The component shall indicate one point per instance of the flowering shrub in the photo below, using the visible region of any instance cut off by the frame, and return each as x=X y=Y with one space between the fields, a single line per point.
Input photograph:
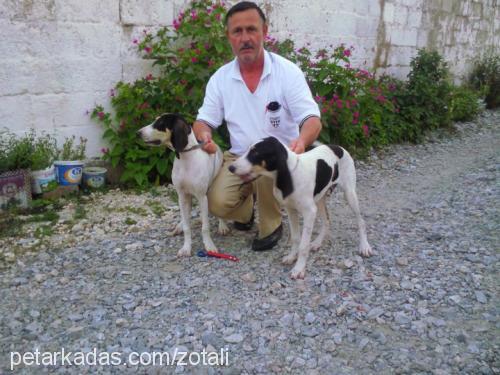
x=187 y=52
x=357 y=109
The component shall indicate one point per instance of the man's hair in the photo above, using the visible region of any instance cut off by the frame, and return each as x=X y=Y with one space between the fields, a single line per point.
x=242 y=6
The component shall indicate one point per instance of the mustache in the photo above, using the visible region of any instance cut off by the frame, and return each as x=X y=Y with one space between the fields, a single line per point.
x=246 y=46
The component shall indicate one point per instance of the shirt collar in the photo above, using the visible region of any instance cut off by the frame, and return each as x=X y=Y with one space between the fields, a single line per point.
x=268 y=62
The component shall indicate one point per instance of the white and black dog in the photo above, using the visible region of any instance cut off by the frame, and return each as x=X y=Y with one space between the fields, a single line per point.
x=301 y=183
x=192 y=174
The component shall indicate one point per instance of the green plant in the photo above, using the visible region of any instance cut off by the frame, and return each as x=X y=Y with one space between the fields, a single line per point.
x=44 y=152
x=186 y=54
x=464 y=104
x=485 y=77
x=71 y=151
x=425 y=101
x=30 y=151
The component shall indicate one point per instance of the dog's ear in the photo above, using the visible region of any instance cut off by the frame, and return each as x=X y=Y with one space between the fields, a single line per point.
x=284 y=178
x=180 y=132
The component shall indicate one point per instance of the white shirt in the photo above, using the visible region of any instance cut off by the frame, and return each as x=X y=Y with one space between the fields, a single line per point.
x=248 y=115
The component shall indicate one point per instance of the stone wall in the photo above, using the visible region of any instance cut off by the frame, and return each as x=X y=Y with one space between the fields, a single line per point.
x=58 y=58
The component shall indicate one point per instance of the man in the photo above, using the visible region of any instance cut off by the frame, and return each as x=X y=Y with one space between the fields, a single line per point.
x=258 y=94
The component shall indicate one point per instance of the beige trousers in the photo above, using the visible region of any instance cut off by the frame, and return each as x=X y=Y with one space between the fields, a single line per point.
x=229 y=199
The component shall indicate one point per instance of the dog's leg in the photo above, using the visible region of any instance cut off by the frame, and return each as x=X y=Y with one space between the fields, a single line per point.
x=223 y=228
x=205 y=224
x=325 y=224
x=352 y=199
x=177 y=229
x=299 y=270
x=293 y=218
x=185 y=201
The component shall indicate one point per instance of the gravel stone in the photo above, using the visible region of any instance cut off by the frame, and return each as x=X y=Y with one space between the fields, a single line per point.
x=427 y=302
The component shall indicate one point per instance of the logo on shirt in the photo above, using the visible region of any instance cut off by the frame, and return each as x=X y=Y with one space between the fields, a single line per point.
x=274 y=118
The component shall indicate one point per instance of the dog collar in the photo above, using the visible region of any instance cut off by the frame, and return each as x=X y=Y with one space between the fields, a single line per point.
x=195 y=147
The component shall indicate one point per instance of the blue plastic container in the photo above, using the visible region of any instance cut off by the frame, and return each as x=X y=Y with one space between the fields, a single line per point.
x=94 y=177
x=68 y=172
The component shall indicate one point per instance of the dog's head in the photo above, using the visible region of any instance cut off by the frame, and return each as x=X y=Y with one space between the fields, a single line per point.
x=168 y=129
x=266 y=157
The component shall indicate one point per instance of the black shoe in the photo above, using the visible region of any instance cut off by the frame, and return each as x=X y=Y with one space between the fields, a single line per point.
x=267 y=243
x=245 y=227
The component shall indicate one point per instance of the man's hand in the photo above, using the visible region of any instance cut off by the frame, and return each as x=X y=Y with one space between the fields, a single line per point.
x=309 y=133
x=203 y=133
x=298 y=146
x=209 y=145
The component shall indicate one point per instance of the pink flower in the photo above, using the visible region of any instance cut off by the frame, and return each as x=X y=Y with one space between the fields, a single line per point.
x=135 y=41
x=347 y=52
x=355 y=114
x=100 y=115
x=149 y=77
x=148 y=49
x=381 y=98
x=355 y=121
x=104 y=150
x=366 y=131
x=194 y=59
x=194 y=16
x=210 y=63
x=218 y=16
x=339 y=104
x=176 y=24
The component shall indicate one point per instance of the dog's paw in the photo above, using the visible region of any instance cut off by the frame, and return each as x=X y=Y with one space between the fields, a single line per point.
x=289 y=259
x=184 y=252
x=298 y=273
x=315 y=245
x=177 y=230
x=365 y=250
x=223 y=228
x=210 y=246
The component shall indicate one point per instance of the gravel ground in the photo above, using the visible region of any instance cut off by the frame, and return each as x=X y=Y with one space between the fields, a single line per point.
x=427 y=303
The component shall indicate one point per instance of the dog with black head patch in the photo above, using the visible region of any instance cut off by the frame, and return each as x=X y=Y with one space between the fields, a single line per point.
x=192 y=173
x=301 y=184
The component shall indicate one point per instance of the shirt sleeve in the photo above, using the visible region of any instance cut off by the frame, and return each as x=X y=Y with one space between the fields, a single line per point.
x=299 y=97
x=212 y=109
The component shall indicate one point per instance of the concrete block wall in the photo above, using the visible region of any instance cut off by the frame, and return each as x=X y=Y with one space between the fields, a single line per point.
x=58 y=58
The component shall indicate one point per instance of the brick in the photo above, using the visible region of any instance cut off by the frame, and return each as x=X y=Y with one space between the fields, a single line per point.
x=153 y=12
x=92 y=11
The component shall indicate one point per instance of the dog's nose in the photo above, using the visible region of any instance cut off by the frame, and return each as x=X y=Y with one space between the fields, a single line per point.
x=138 y=133
x=232 y=169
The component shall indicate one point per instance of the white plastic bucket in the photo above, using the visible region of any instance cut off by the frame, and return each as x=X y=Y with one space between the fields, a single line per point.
x=43 y=180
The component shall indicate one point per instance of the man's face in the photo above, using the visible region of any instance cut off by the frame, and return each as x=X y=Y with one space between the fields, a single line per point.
x=246 y=32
